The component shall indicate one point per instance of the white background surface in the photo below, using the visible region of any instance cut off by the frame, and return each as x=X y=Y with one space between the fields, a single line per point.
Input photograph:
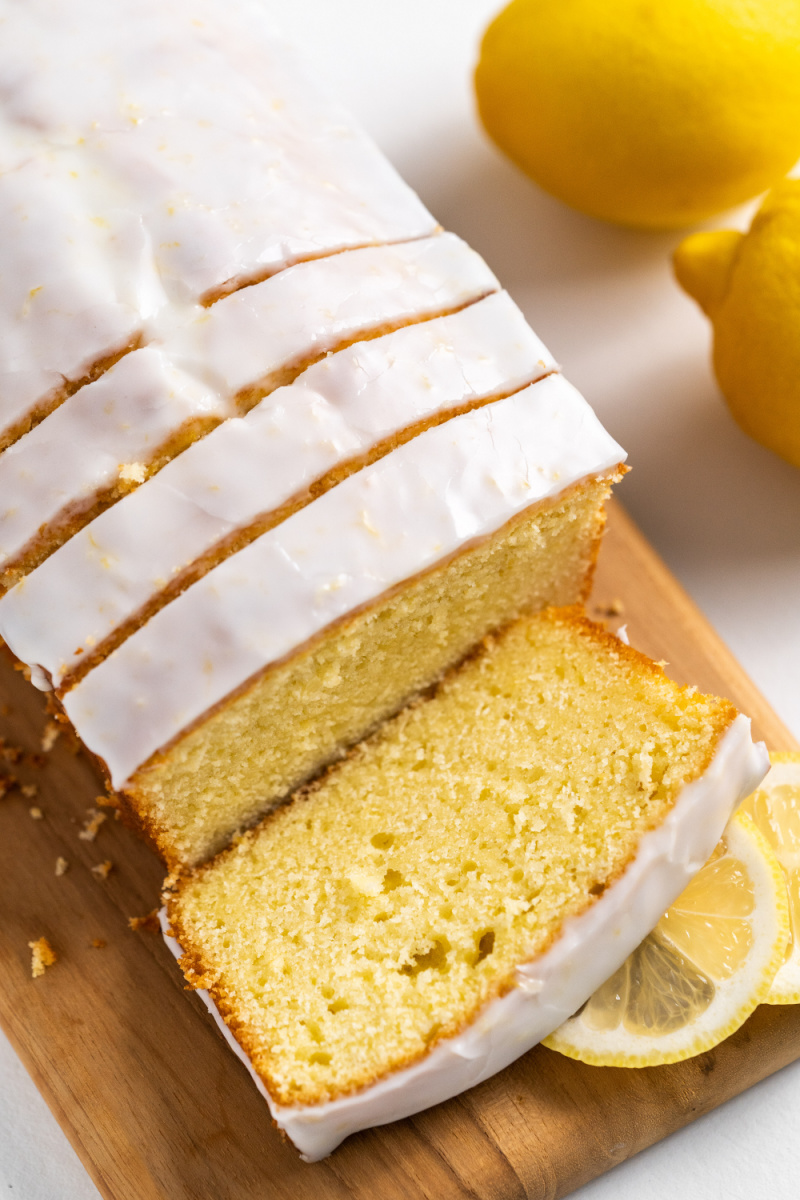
x=724 y=513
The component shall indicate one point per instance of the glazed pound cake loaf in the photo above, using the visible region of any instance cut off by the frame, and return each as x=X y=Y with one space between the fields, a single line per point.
x=279 y=452
x=463 y=881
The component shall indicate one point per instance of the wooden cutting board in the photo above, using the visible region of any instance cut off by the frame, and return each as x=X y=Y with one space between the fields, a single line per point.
x=157 y=1106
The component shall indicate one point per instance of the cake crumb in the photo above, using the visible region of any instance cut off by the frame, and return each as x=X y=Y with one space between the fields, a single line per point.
x=62 y=866
x=107 y=801
x=9 y=754
x=615 y=608
x=36 y=812
x=52 y=731
x=29 y=790
x=662 y=662
x=99 y=943
x=149 y=923
x=7 y=784
x=103 y=870
x=43 y=956
x=24 y=669
x=91 y=825
x=133 y=472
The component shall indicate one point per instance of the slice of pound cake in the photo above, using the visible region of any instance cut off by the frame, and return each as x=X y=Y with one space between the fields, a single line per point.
x=455 y=888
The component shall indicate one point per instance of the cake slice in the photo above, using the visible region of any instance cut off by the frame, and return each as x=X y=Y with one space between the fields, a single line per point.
x=288 y=651
x=463 y=881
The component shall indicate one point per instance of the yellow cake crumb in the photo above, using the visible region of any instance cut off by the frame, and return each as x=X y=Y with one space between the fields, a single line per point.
x=134 y=472
x=43 y=956
x=7 y=784
x=103 y=870
x=304 y=711
x=149 y=923
x=52 y=732
x=384 y=907
x=62 y=866
x=91 y=825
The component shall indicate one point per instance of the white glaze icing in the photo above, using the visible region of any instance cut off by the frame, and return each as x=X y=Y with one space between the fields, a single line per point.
x=119 y=420
x=448 y=487
x=313 y=307
x=337 y=409
x=231 y=154
x=548 y=989
x=129 y=412
x=78 y=278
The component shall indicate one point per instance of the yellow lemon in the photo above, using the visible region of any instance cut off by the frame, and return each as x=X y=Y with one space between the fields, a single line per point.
x=696 y=978
x=775 y=809
x=749 y=285
x=652 y=113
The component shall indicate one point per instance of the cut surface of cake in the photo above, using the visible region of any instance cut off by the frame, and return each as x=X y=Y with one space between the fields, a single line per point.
x=294 y=647
x=456 y=887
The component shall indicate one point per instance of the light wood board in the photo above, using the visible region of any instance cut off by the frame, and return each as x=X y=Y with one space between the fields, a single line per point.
x=158 y=1107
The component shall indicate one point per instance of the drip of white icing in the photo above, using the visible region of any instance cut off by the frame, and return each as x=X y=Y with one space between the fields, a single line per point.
x=551 y=988
x=118 y=422
x=248 y=466
x=448 y=487
x=145 y=398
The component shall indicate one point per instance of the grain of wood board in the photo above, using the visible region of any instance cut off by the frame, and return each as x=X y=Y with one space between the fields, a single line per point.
x=158 y=1107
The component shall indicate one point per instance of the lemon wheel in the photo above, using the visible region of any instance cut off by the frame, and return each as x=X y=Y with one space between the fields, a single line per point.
x=775 y=808
x=697 y=977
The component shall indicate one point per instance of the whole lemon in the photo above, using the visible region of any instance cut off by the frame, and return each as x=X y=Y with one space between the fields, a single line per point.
x=651 y=113
x=749 y=285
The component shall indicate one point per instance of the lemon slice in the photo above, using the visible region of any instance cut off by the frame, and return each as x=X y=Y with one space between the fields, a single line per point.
x=775 y=808
x=697 y=977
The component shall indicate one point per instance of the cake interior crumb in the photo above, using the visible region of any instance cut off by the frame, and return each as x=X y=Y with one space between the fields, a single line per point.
x=43 y=955
x=382 y=909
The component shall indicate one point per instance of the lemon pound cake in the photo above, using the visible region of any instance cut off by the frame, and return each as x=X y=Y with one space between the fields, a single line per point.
x=277 y=451
x=461 y=883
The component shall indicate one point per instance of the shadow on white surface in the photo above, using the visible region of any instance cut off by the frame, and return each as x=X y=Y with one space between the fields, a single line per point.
x=36 y=1161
